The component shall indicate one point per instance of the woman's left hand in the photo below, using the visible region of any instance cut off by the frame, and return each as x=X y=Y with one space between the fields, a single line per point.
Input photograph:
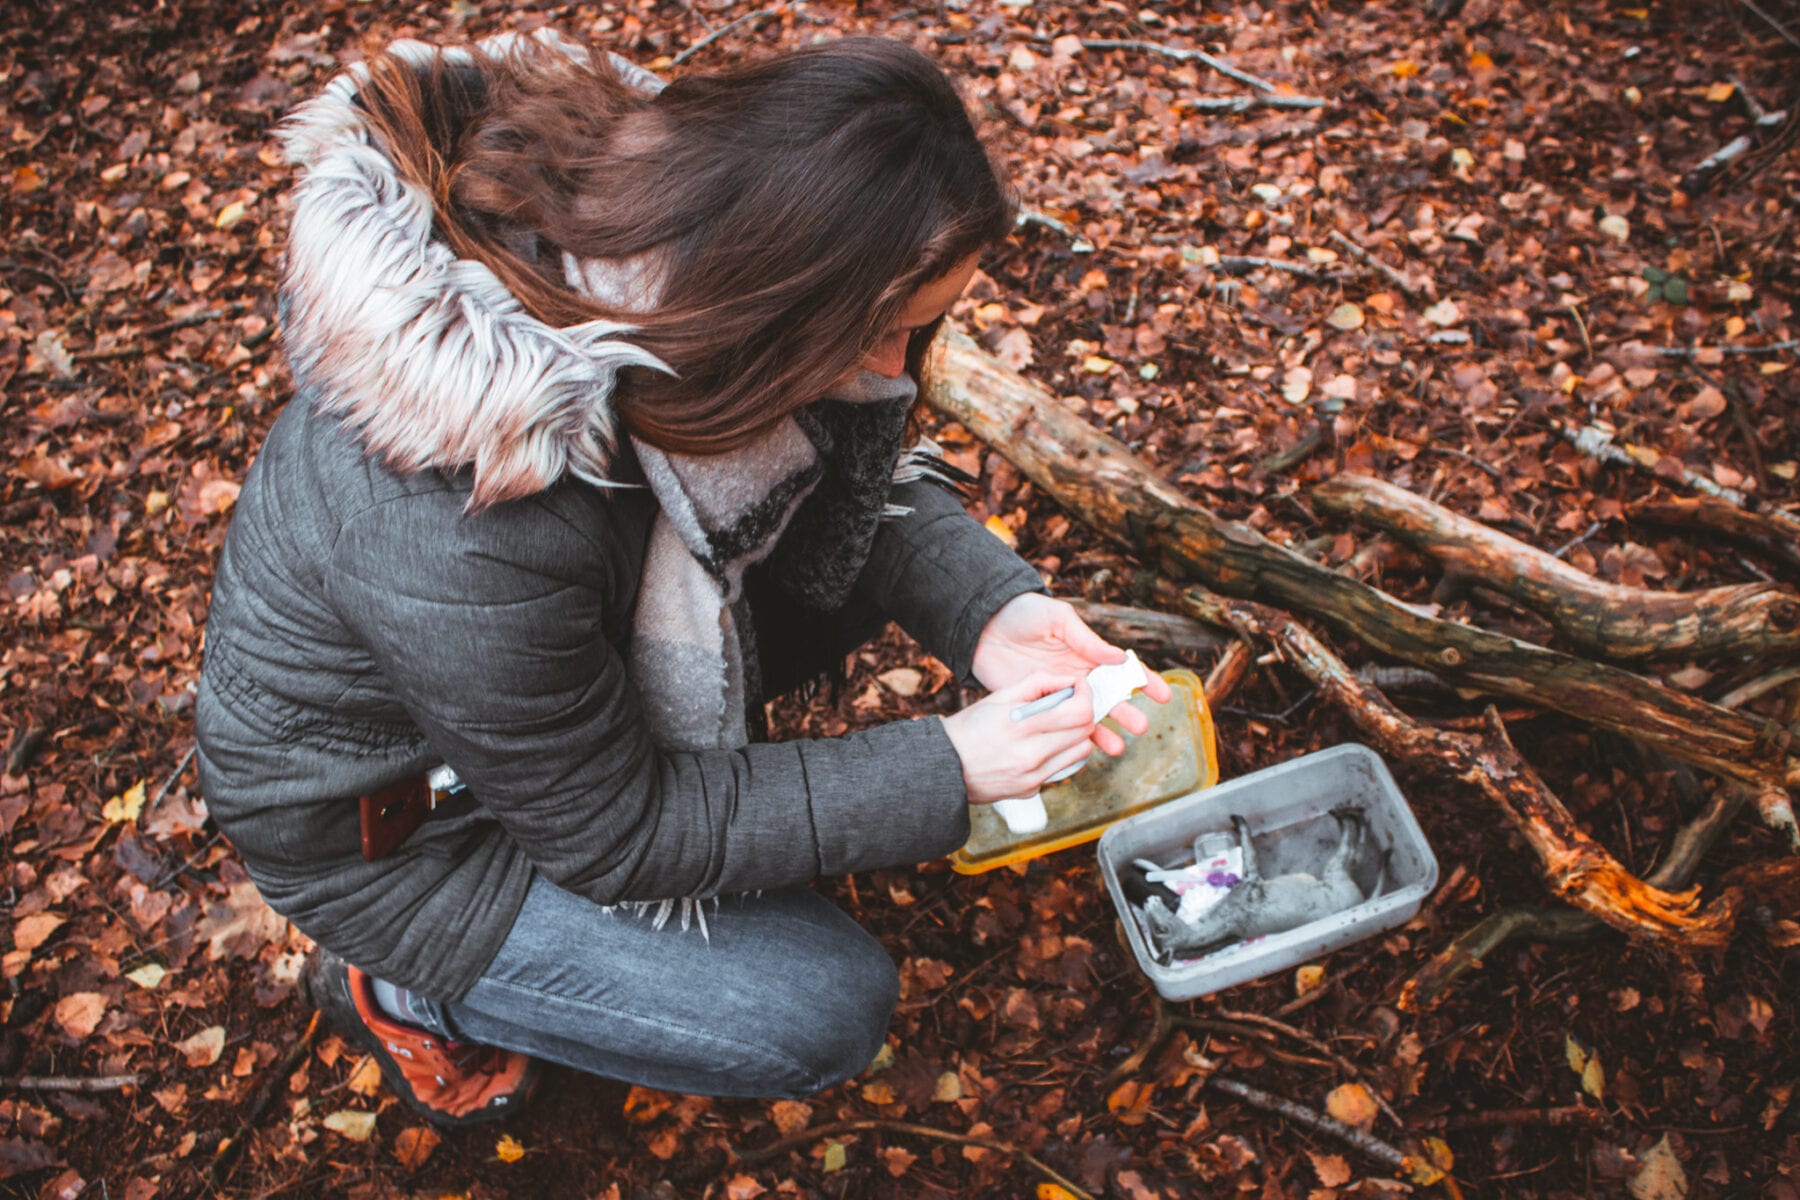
x=1034 y=633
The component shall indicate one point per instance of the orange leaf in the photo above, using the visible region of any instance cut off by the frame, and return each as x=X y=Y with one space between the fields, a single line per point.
x=1130 y=1101
x=414 y=1146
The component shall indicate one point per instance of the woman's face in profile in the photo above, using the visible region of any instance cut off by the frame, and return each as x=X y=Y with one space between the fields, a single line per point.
x=931 y=301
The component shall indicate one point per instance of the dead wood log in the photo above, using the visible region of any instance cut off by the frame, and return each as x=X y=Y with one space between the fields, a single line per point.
x=1614 y=622
x=1097 y=479
x=1473 y=946
x=1577 y=868
x=1152 y=632
x=1774 y=534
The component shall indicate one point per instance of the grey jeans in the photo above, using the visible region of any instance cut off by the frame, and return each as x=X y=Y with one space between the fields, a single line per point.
x=789 y=997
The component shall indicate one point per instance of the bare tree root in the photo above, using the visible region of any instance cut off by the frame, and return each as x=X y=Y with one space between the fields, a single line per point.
x=1472 y=947
x=1577 y=868
x=1614 y=622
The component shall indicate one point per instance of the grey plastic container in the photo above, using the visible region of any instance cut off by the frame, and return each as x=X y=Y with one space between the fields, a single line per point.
x=1288 y=808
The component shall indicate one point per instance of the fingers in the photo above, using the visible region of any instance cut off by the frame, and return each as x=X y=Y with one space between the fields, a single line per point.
x=1131 y=718
x=1108 y=742
x=1157 y=688
x=1067 y=758
x=1084 y=641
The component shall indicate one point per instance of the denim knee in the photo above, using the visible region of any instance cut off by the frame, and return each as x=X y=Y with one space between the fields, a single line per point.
x=835 y=1031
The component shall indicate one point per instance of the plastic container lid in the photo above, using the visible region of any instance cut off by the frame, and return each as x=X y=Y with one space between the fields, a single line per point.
x=1176 y=756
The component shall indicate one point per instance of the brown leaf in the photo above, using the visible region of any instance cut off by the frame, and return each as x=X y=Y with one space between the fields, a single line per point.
x=204 y=1048
x=790 y=1116
x=1353 y=1104
x=32 y=931
x=78 y=1013
x=1333 y=1170
x=413 y=1146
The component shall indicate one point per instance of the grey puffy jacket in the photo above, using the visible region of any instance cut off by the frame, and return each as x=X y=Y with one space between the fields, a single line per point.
x=363 y=627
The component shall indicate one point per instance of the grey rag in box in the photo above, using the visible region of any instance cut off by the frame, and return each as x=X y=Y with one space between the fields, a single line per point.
x=1294 y=814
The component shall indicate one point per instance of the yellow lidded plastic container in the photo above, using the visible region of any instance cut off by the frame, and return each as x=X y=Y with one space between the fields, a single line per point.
x=1177 y=755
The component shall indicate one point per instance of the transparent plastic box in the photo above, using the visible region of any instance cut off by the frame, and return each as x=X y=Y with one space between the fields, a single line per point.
x=1288 y=808
x=1176 y=755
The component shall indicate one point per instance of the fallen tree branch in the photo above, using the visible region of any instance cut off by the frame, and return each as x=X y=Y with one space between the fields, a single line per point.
x=1775 y=534
x=1098 y=480
x=1740 y=696
x=1229 y=671
x=1243 y=264
x=1576 y=868
x=1598 y=444
x=1615 y=622
x=869 y=1125
x=1777 y=26
x=1150 y=631
x=68 y=1083
x=1031 y=216
x=1701 y=177
x=134 y=347
x=1472 y=947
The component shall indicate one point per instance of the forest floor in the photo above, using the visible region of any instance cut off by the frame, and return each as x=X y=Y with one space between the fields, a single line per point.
x=1515 y=165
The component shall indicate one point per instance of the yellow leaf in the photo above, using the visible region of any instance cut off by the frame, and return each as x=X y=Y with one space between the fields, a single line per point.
x=27 y=179
x=415 y=1145
x=1406 y=68
x=125 y=807
x=879 y=1092
x=365 y=1080
x=1353 y=1104
x=949 y=1087
x=230 y=215
x=1593 y=1079
x=1054 y=1191
x=1002 y=530
x=1345 y=316
x=1574 y=1052
x=835 y=1157
x=155 y=502
x=1308 y=979
x=357 y=1126
x=509 y=1149
x=1479 y=61
x=1636 y=14
x=1720 y=92
x=1094 y=364
x=1773 y=368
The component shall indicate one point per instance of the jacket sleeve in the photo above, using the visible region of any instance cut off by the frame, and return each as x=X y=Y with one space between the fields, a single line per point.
x=941 y=575
x=490 y=631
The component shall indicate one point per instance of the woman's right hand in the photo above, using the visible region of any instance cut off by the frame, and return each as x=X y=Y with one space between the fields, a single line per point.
x=1004 y=759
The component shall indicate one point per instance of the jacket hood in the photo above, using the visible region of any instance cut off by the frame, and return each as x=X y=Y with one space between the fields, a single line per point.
x=429 y=356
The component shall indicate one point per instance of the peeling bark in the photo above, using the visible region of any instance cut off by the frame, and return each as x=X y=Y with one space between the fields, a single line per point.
x=1614 y=622
x=1097 y=479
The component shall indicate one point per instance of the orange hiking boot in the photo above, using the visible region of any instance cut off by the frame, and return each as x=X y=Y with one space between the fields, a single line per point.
x=450 y=1083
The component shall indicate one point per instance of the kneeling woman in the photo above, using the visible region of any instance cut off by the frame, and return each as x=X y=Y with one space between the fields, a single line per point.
x=597 y=440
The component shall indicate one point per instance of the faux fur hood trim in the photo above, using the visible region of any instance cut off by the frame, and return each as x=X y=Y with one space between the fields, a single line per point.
x=429 y=356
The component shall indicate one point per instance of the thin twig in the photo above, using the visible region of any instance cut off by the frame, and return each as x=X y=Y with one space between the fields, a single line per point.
x=819 y=1132
x=1586 y=342
x=1238 y=104
x=1369 y=257
x=1308 y=1040
x=1598 y=444
x=173 y=776
x=1181 y=54
x=1578 y=1115
x=1371 y=1146
x=68 y=1083
x=1738 y=697
x=1777 y=26
x=1696 y=351
x=721 y=31
x=1575 y=541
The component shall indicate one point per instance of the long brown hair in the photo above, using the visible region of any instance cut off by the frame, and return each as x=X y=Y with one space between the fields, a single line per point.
x=792 y=207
